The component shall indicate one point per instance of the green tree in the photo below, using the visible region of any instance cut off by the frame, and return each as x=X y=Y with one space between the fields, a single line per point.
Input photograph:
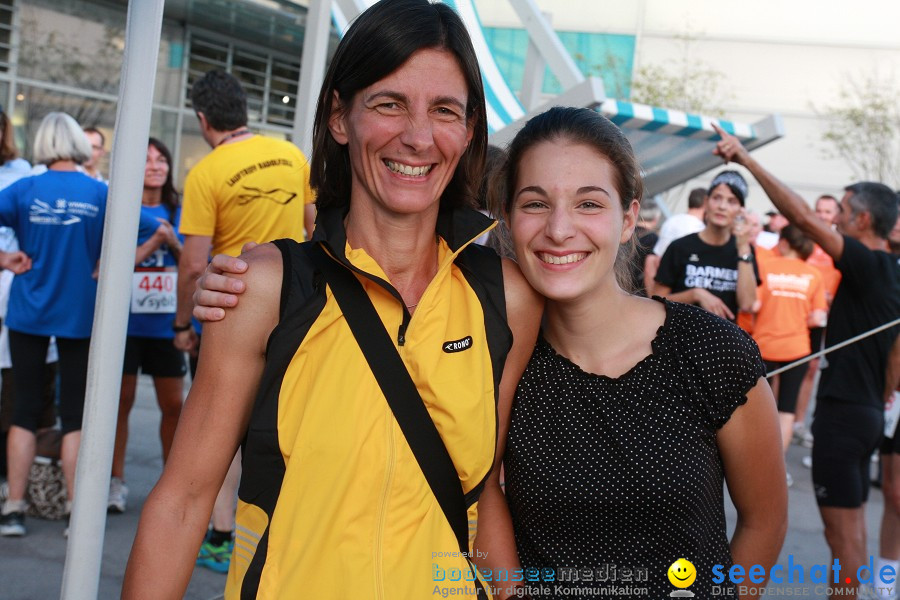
x=612 y=70
x=863 y=127
x=68 y=59
x=684 y=82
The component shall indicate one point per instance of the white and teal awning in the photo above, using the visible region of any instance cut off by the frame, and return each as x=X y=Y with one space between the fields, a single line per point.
x=673 y=146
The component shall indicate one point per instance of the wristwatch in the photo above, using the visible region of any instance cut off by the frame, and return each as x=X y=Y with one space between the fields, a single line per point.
x=179 y=328
x=747 y=258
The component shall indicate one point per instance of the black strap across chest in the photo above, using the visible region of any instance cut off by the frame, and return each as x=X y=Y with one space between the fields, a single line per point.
x=400 y=391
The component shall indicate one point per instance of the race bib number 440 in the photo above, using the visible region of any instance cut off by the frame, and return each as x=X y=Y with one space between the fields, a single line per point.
x=153 y=292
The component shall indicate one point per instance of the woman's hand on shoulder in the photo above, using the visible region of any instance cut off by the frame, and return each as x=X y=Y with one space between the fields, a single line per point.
x=260 y=284
x=219 y=287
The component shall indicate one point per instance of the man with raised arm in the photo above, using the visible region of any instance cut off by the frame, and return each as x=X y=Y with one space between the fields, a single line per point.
x=849 y=416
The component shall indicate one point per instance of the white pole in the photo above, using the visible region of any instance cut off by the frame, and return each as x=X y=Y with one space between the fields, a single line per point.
x=312 y=71
x=533 y=79
x=548 y=43
x=81 y=577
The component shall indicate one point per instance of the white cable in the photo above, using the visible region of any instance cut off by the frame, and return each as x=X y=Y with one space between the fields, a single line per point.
x=852 y=340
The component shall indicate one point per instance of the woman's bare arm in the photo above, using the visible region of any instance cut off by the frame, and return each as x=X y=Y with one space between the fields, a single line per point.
x=495 y=541
x=212 y=423
x=750 y=445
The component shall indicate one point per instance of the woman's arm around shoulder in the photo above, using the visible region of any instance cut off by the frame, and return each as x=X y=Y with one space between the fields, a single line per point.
x=495 y=540
x=214 y=419
x=219 y=287
x=751 y=450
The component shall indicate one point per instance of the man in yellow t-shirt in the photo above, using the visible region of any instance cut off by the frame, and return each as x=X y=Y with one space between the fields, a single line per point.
x=248 y=189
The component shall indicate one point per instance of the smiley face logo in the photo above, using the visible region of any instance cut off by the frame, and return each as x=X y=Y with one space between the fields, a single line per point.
x=682 y=573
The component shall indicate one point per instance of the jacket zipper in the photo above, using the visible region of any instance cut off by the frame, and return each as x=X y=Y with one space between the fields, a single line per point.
x=404 y=324
x=382 y=510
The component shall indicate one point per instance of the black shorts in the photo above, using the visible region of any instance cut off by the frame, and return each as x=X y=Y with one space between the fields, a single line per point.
x=815 y=338
x=845 y=436
x=789 y=383
x=29 y=358
x=153 y=356
x=891 y=445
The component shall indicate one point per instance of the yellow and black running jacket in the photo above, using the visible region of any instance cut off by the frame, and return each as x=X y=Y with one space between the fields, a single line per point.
x=332 y=503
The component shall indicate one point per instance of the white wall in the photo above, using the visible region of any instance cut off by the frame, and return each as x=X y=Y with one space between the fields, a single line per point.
x=778 y=57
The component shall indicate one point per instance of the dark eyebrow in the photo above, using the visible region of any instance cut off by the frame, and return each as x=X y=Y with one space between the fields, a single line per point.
x=582 y=190
x=387 y=94
x=403 y=98
x=532 y=188
x=451 y=100
x=591 y=188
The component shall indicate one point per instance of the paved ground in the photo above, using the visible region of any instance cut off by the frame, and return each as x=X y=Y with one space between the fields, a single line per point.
x=31 y=568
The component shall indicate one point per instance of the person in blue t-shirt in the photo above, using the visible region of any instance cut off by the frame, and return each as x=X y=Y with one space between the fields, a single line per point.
x=13 y=168
x=58 y=219
x=149 y=344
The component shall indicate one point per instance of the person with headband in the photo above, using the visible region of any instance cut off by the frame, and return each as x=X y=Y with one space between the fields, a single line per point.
x=715 y=268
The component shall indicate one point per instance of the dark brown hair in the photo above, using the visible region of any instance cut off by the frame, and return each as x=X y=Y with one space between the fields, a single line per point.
x=696 y=198
x=170 y=198
x=378 y=43
x=221 y=99
x=797 y=240
x=8 y=150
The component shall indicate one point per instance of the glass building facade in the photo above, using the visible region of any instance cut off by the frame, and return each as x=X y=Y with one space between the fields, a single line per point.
x=67 y=55
x=608 y=56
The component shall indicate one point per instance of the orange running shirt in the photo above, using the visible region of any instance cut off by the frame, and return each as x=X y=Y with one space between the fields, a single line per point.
x=790 y=291
x=830 y=275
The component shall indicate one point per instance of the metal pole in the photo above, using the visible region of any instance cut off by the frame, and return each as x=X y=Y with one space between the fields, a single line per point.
x=312 y=71
x=533 y=80
x=545 y=39
x=81 y=577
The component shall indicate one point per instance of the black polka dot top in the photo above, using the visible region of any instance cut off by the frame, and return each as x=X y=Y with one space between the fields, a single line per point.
x=625 y=472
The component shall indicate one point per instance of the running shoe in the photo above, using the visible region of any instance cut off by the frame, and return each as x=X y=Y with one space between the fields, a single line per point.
x=790 y=480
x=802 y=437
x=12 y=524
x=118 y=495
x=216 y=558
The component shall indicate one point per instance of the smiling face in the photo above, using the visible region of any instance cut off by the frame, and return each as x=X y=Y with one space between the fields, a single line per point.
x=682 y=573
x=156 y=169
x=828 y=209
x=406 y=133
x=567 y=221
x=722 y=207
